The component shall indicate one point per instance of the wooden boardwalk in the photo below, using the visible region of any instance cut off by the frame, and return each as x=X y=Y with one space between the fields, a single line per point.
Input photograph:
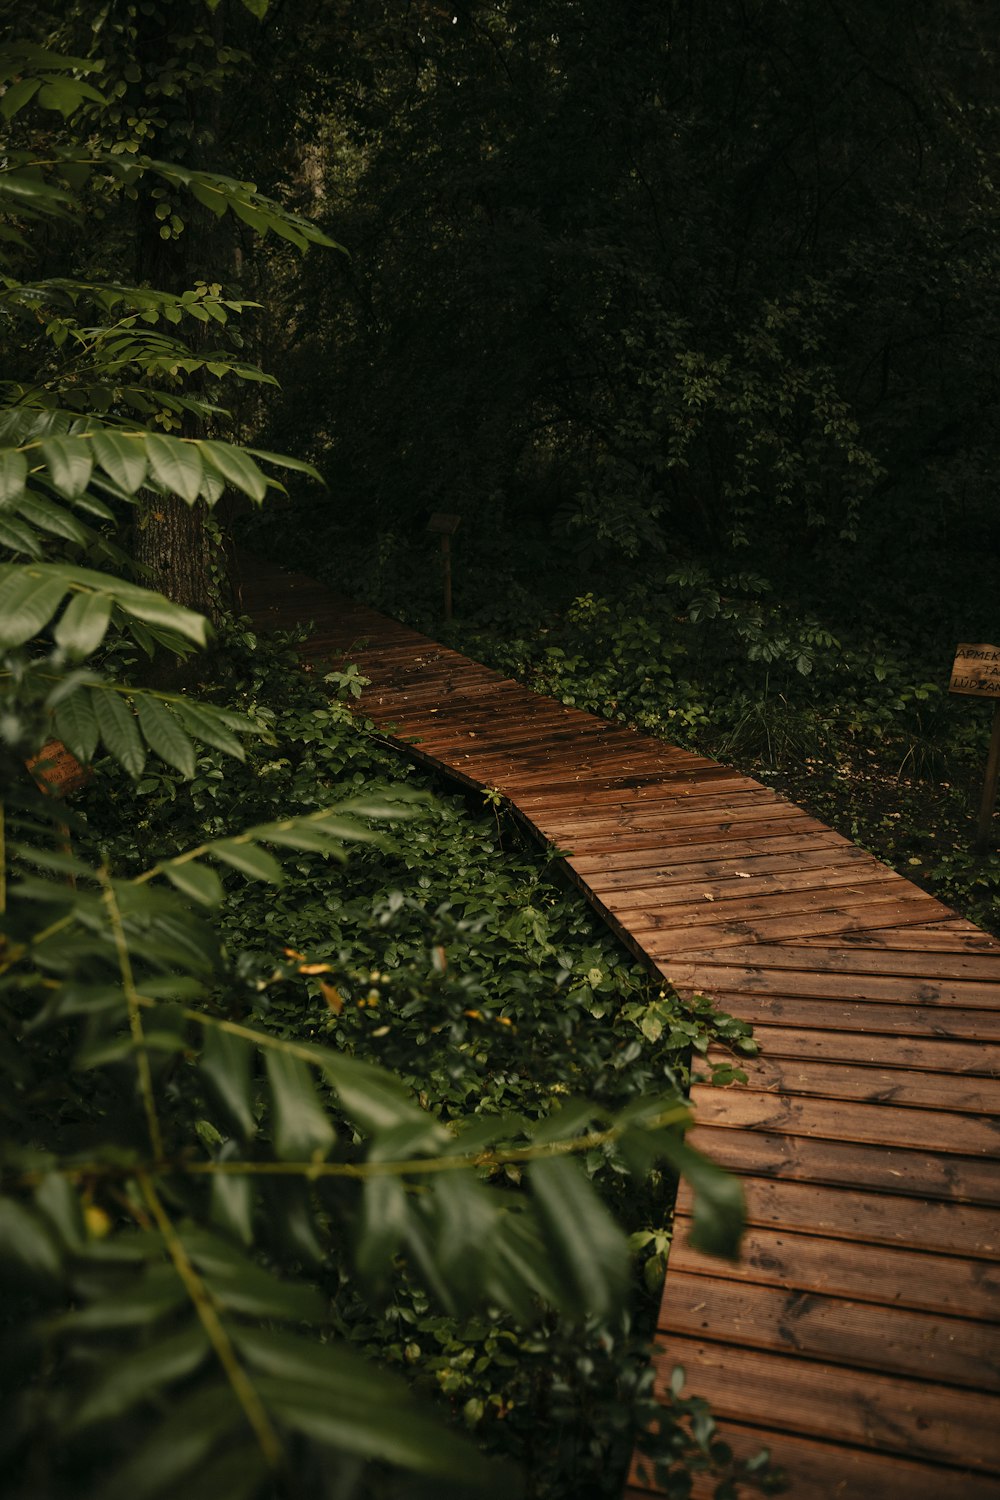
x=858 y=1336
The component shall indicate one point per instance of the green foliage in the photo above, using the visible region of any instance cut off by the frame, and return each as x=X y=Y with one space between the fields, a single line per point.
x=194 y=1192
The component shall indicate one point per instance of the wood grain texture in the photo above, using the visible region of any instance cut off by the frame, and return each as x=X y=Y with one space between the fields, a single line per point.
x=858 y=1337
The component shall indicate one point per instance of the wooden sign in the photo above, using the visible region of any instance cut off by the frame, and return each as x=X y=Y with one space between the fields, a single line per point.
x=976 y=671
x=57 y=771
x=443 y=523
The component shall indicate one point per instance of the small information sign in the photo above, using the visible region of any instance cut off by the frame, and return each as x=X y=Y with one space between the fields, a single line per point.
x=58 y=772
x=976 y=671
x=443 y=523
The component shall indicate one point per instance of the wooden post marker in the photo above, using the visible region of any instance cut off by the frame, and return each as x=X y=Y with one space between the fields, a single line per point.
x=977 y=674
x=444 y=525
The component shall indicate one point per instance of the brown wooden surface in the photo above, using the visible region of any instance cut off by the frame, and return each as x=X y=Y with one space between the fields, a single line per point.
x=858 y=1337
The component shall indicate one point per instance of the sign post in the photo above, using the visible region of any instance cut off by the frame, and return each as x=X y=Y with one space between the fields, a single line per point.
x=976 y=673
x=445 y=525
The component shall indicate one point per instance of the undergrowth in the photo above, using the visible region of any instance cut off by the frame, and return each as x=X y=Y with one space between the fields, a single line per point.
x=459 y=956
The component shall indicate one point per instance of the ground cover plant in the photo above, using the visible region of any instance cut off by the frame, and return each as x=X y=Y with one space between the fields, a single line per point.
x=222 y=1166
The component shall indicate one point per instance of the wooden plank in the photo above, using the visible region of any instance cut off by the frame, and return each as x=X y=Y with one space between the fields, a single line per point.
x=891 y=989
x=816 y=956
x=689 y=827
x=940 y=936
x=896 y=1086
x=668 y=941
x=885 y=1413
x=867 y=1122
x=877 y=1274
x=968 y=1059
x=819 y=1470
x=858 y=890
x=830 y=1163
x=949 y=1023
x=742 y=888
x=899 y=1341
x=616 y=864
x=587 y=827
x=730 y=871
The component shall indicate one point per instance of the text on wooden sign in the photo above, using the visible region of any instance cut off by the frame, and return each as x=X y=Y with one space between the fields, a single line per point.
x=976 y=671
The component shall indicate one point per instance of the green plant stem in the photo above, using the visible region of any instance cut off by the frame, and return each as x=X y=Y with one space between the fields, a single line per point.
x=678 y=1114
x=134 y=1012
x=267 y=1439
x=3 y=858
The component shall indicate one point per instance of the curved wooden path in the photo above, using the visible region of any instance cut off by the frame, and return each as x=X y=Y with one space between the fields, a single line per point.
x=858 y=1335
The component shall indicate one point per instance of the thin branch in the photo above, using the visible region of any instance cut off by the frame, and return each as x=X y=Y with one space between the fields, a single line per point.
x=134 y=1011
x=677 y=1114
x=267 y=1439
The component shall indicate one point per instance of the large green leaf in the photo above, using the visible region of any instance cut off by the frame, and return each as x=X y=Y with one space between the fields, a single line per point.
x=249 y=859
x=226 y=1061
x=123 y=458
x=164 y=735
x=136 y=1377
x=375 y=1099
x=180 y=1447
x=176 y=465
x=243 y=1287
x=83 y=624
x=385 y=1218
x=236 y=468
x=76 y=724
x=29 y=597
x=135 y=1302
x=586 y=1243
x=48 y=516
x=27 y=1245
x=70 y=462
x=207 y=725
x=118 y=731
x=195 y=881
x=719 y=1209
x=398 y=1435
x=13 y=474
x=300 y=1125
